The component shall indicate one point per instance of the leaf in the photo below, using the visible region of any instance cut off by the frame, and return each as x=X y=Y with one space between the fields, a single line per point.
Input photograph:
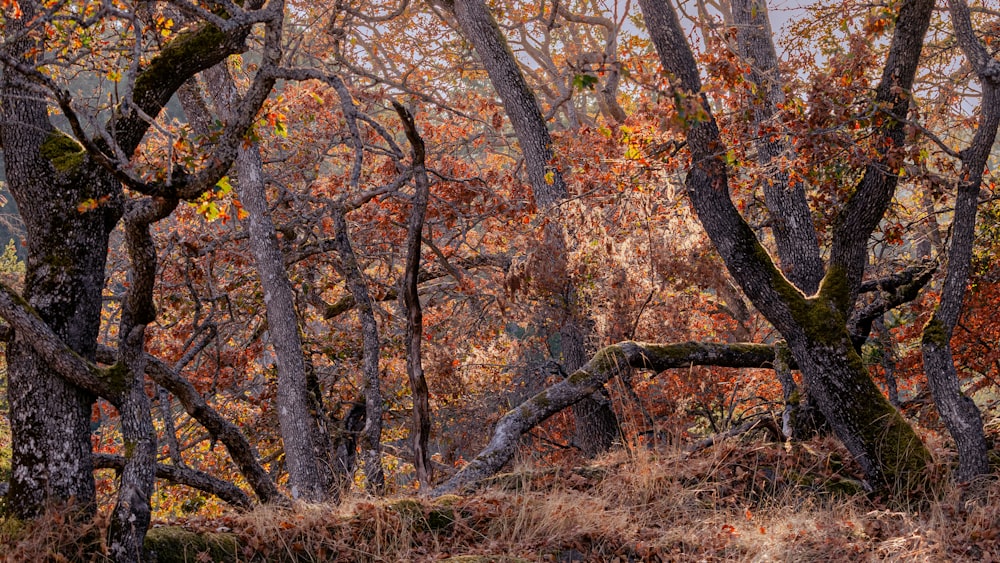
x=584 y=81
x=224 y=186
x=550 y=177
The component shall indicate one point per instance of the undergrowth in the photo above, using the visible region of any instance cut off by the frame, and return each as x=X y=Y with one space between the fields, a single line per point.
x=735 y=502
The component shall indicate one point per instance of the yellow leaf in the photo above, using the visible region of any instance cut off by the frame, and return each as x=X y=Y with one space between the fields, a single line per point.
x=550 y=177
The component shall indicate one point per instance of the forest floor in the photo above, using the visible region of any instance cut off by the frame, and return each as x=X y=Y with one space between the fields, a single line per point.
x=736 y=501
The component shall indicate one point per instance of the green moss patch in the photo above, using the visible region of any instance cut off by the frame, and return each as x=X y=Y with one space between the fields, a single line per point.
x=173 y=544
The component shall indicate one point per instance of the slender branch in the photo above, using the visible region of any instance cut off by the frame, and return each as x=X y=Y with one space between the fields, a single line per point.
x=185 y=476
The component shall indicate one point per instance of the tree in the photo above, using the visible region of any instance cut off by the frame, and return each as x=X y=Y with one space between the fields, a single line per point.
x=959 y=412
x=597 y=426
x=53 y=381
x=817 y=327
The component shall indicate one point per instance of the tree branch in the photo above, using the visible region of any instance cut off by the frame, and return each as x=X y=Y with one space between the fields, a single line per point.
x=607 y=363
x=185 y=476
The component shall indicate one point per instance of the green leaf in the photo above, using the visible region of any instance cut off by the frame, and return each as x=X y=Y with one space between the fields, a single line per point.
x=224 y=186
x=584 y=81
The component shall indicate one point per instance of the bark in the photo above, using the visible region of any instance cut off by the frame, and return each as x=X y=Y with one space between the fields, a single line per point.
x=791 y=219
x=815 y=327
x=519 y=101
x=242 y=452
x=959 y=412
x=303 y=430
x=596 y=424
x=892 y=291
x=50 y=175
x=169 y=428
x=411 y=299
x=66 y=251
x=371 y=435
x=789 y=390
x=305 y=440
x=607 y=363
x=193 y=478
x=353 y=423
x=131 y=514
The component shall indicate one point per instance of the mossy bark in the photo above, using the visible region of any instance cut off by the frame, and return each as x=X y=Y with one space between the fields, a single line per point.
x=814 y=327
x=605 y=364
x=66 y=250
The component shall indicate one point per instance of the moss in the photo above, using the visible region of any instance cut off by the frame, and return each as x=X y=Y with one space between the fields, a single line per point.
x=407 y=507
x=667 y=352
x=423 y=518
x=173 y=544
x=994 y=457
x=605 y=361
x=115 y=377
x=440 y=519
x=11 y=529
x=784 y=353
x=891 y=443
x=448 y=501
x=65 y=154
x=185 y=46
x=835 y=289
x=935 y=333
x=130 y=446
x=844 y=487
x=795 y=398
x=541 y=400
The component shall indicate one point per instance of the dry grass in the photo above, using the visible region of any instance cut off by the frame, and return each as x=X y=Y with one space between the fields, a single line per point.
x=735 y=502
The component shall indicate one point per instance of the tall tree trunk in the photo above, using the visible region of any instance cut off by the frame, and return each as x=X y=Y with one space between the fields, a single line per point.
x=49 y=175
x=70 y=203
x=411 y=299
x=959 y=412
x=132 y=511
x=815 y=327
x=371 y=435
x=304 y=435
x=596 y=424
x=792 y=225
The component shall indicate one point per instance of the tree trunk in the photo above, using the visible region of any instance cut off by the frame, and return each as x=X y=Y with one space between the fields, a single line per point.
x=371 y=435
x=959 y=412
x=794 y=233
x=70 y=203
x=596 y=424
x=607 y=363
x=49 y=175
x=304 y=435
x=131 y=515
x=411 y=299
x=815 y=327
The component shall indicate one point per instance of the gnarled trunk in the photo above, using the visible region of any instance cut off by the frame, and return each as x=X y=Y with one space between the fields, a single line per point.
x=49 y=176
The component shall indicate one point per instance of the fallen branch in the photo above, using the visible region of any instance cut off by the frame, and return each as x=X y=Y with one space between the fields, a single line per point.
x=605 y=364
